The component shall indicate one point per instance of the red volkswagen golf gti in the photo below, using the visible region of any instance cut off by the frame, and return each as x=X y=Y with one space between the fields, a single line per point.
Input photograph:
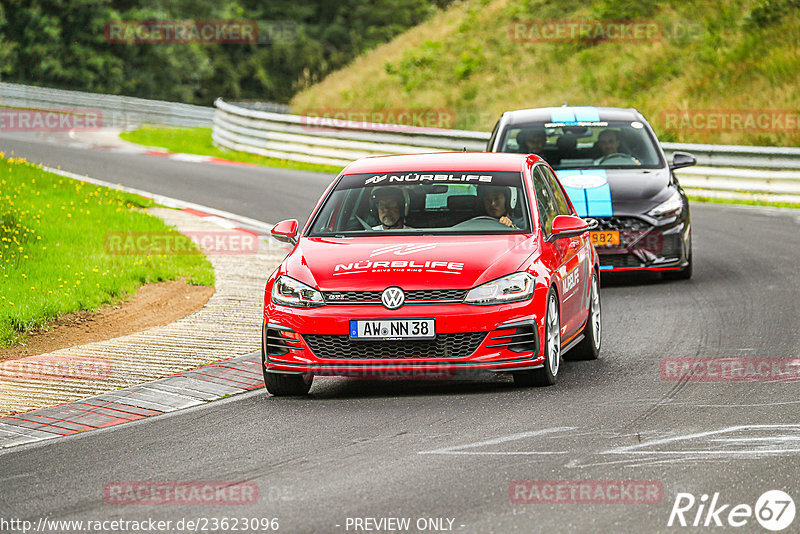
x=433 y=263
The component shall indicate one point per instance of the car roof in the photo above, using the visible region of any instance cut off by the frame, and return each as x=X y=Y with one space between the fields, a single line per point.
x=572 y=113
x=443 y=161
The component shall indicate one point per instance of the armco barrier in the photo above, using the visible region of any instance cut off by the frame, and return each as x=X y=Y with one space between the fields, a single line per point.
x=117 y=111
x=317 y=140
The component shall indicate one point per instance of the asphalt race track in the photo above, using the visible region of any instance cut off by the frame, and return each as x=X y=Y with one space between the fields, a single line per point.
x=451 y=450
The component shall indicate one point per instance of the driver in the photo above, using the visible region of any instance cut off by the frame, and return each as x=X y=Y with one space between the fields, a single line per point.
x=608 y=142
x=390 y=203
x=497 y=204
x=610 y=145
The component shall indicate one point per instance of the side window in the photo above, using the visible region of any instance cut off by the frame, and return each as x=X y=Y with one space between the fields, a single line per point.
x=544 y=201
x=561 y=202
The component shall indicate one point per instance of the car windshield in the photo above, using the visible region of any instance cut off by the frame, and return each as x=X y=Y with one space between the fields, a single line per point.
x=450 y=202
x=617 y=144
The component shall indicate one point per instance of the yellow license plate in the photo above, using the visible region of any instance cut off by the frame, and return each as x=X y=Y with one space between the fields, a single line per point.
x=606 y=237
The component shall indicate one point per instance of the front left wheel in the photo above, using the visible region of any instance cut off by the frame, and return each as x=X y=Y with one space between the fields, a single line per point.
x=589 y=347
x=548 y=373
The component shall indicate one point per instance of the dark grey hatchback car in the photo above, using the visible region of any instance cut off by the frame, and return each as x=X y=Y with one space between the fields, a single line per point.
x=615 y=172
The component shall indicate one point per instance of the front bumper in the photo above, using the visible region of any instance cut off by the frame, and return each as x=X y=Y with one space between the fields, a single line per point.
x=644 y=246
x=469 y=338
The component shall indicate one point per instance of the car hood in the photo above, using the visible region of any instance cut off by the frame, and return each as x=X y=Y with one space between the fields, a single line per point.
x=597 y=192
x=375 y=263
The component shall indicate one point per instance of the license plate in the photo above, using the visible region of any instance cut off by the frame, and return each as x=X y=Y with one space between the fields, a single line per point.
x=605 y=237
x=372 y=329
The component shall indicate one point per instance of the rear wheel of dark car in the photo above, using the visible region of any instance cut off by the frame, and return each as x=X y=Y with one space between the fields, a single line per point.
x=547 y=374
x=589 y=347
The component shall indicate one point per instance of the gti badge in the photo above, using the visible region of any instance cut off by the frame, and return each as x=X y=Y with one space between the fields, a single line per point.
x=393 y=297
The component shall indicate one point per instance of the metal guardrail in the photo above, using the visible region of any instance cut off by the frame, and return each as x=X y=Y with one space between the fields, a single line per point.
x=327 y=141
x=722 y=182
x=752 y=157
x=116 y=111
x=338 y=142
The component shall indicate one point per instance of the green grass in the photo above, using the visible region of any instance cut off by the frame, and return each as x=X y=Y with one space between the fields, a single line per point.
x=53 y=257
x=198 y=141
x=744 y=202
x=733 y=55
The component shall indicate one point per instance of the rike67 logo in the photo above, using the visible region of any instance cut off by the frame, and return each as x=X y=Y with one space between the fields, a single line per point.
x=774 y=510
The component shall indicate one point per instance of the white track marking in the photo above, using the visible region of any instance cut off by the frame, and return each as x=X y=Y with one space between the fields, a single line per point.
x=459 y=449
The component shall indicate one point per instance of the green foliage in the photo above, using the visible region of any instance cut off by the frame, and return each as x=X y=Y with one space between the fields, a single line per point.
x=53 y=255
x=769 y=12
x=469 y=61
x=624 y=9
x=61 y=43
x=483 y=59
x=417 y=66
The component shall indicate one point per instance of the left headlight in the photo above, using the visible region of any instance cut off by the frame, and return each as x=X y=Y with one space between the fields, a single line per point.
x=290 y=292
x=673 y=206
x=511 y=288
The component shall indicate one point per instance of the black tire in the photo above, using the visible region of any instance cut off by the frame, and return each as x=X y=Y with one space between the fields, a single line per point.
x=281 y=384
x=589 y=347
x=547 y=375
x=285 y=385
x=683 y=274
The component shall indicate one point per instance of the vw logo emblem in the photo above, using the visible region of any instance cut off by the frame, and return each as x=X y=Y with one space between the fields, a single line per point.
x=393 y=297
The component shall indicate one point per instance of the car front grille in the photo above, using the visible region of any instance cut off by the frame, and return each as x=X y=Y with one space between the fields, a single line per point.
x=632 y=231
x=412 y=296
x=444 y=346
x=633 y=224
x=620 y=260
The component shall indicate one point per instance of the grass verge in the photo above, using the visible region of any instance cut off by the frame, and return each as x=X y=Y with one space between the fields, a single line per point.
x=744 y=202
x=53 y=257
x=198 y=141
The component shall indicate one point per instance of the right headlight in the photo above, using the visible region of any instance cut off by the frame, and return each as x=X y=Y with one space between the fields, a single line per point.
x=512 y=288
x=290 y=292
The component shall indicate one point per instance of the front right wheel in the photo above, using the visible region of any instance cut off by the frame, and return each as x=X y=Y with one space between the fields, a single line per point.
x=286 y=385
x=547 y=374
x=282 y=384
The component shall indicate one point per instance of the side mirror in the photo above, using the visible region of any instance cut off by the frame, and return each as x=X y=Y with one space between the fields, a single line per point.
x=682 y=159
x=286 y=231
x=567 y=226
